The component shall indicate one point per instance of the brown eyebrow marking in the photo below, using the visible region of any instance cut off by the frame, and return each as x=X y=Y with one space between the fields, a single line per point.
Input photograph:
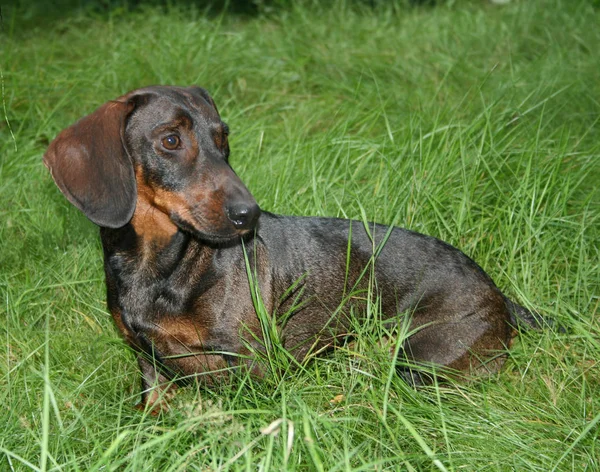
x=183 y=120
x=219 y=135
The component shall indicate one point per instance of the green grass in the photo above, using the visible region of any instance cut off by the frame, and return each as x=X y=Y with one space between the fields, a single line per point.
x=472 y=122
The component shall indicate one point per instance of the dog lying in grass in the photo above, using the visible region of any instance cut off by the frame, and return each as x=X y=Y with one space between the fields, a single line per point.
x=187 y=250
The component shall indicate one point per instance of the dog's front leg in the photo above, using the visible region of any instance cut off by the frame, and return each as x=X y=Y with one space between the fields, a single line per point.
x=156 y=387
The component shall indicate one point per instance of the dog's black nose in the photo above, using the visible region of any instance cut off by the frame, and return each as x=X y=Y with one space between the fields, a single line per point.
x=243 y=215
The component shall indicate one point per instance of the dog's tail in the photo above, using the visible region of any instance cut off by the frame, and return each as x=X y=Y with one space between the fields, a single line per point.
x=523 y=318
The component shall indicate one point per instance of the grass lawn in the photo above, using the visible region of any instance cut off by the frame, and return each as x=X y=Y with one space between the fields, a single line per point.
x=473 y=122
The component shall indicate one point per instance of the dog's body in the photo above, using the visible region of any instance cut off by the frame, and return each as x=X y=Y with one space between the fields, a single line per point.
x=181 y=234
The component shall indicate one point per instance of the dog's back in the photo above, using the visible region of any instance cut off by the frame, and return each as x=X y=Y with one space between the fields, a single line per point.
x=452 y=304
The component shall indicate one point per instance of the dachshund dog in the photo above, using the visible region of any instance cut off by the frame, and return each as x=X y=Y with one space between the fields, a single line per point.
x=185 y=244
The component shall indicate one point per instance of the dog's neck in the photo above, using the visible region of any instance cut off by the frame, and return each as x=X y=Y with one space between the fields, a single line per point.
x=149 y=260
x=150 y=242
x=153 y=226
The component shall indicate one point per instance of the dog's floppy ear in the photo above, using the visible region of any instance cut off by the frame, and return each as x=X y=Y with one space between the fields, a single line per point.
x=199 y=91
x=90 y=165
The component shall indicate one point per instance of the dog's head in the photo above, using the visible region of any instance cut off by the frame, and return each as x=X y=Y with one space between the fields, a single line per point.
x=167 y=143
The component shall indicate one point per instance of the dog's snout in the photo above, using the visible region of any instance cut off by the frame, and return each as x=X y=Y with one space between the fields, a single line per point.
x=243 y=215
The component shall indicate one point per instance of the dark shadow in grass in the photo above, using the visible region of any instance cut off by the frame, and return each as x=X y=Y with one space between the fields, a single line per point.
x=21 y=15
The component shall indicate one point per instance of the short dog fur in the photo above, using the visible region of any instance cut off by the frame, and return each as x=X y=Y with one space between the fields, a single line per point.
x=151 y=169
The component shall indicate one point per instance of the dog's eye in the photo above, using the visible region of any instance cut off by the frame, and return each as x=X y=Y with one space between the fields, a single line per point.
x=171 y=142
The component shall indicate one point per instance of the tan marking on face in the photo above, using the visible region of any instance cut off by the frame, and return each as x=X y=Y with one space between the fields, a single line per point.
x=148 y=221
x=202 y=209
x=209 y=215
x=220 y=138
x=170 y=202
